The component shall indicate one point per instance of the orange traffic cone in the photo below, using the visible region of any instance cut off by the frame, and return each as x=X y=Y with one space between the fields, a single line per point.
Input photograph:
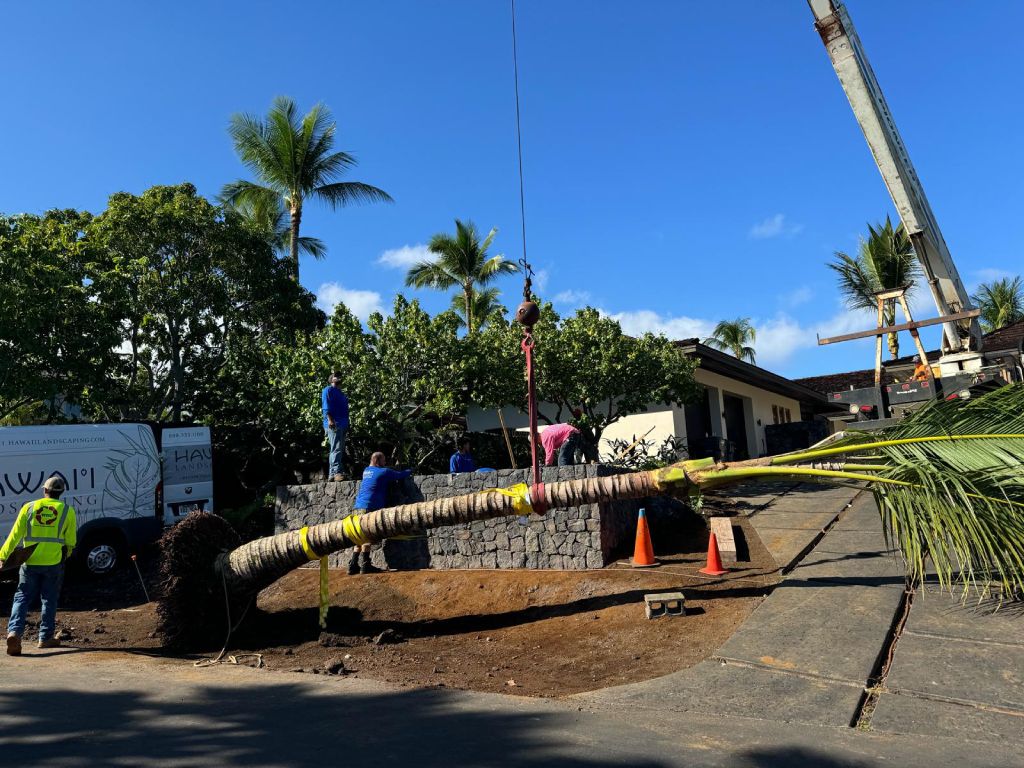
x=714 y=566
x=643 y=552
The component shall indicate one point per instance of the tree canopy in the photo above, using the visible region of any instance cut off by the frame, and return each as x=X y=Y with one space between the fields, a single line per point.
x=1001 y=303
x=885 y=260
x=293 y=159
x=734 y=337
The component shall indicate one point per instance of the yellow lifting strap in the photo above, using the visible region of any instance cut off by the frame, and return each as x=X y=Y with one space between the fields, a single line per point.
x=304 y=540
x=353 y=531
x=520 y=495
x=324 y=583
x=323 y=593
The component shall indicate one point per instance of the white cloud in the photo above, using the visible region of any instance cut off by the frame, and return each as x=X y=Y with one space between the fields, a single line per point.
x=644 y=320
x=540 y=280
x=362 y=304
x=778 y=339
x=406 y=256
x=572 y=297
x=796 y=297
x=775 y=226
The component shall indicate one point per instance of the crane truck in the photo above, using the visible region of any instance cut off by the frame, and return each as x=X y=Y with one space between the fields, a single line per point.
x=962 y=365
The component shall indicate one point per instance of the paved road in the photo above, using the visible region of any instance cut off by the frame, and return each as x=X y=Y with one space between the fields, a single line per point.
x=73 y=709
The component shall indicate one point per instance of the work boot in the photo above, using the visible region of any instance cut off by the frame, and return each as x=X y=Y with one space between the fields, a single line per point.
x=365 y=566
x=339 y=478
x=13 y=645
x=50 y=642
x=353 y=564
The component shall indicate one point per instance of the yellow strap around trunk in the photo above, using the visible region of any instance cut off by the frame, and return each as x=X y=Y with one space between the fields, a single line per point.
x=353 y=531
x=520 y=495
x=304 y=540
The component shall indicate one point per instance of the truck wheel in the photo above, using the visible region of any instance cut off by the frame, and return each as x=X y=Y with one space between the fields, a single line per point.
x=102 y=554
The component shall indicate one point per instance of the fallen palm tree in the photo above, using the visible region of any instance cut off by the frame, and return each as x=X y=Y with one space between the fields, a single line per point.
x=949 y=483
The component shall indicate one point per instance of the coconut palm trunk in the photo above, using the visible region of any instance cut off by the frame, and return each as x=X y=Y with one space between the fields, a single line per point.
x=948 y=483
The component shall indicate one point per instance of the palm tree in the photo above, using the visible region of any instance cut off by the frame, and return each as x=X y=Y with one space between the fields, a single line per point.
x=734 y=336
x=885 y=260
x=1001 y=303
x=293 y=159
x=947 y=482
x=267 y=216
x=461 y=262
x=485 y=304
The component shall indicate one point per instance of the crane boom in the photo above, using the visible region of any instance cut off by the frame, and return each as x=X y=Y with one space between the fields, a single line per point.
x=961 y=342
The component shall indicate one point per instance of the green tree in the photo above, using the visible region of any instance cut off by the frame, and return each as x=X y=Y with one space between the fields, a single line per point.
x=56 y=340
x=293 y=159
x=885 y=260
x=403 y=376
x=1001 y=303
x=485 y=305
x=735 y=337
x=267 y=217
x=185 y=282
x=585 y=363
x=462 y=262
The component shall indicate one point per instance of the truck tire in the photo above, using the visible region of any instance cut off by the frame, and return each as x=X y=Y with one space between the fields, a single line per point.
x=102 y=553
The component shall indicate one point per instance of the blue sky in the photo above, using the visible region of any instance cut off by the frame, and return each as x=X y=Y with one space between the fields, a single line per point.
x=685 y=161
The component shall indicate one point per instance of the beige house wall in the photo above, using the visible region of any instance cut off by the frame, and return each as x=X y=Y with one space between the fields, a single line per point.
x=660 y=422
x=758 y=406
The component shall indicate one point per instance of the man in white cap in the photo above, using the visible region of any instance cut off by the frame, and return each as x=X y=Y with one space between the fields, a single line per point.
x=47 y=530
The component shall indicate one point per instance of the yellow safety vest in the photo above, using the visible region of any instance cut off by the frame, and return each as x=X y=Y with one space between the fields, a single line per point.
x=47 y=524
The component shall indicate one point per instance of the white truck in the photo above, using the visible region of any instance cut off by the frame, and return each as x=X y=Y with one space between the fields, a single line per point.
x=113 y=475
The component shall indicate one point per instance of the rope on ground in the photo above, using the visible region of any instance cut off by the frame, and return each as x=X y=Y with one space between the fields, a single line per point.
x=221 y=659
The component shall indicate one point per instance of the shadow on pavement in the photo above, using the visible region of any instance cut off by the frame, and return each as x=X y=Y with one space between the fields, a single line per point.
x=790 y=757
x=283 y=725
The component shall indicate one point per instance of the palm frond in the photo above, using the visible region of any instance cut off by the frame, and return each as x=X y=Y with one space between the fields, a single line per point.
x=342 y=193
x=949 y=483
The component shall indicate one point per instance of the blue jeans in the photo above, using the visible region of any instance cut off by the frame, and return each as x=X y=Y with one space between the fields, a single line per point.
x=336 y=444
x=42 y=581
x=568 y=450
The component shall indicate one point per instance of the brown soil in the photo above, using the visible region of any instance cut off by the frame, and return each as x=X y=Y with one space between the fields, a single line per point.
x=537 y=633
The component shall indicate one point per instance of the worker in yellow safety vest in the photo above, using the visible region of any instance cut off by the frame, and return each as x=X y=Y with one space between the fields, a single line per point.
x=46 y=529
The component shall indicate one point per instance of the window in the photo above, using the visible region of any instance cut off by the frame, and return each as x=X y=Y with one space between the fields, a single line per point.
x=775 y=414
x=788 y=417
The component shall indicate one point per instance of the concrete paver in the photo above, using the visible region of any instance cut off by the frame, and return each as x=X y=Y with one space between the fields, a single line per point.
x=714 y=688
x=966 y=654
x=789 y=525
x=829 y=630
x=912 y=714
x=942 y=614
x=988 y=673
x=853 y=557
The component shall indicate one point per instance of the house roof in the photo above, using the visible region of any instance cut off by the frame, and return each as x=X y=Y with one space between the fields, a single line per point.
x=1010 y=337
x=838 y=382
x=719 y=362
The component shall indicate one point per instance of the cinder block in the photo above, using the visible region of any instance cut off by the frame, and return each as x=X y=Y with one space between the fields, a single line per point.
x=665 y=604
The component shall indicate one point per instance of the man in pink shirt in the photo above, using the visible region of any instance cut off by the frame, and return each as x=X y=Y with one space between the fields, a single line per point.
x=563 y=439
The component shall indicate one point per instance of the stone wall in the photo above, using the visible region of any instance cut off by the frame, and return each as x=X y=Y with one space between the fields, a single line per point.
x=586 y=537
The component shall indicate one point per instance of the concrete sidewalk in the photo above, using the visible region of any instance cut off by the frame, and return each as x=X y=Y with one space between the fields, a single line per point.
x=76 y=709
x=808 y=651
x=817 y=650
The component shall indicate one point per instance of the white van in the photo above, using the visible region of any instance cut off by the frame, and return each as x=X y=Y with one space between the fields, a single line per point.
x=112 y=472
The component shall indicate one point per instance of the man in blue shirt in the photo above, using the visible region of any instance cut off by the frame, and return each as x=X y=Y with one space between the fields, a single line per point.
x=335 y=410
x=372 y=495
x=462 y=459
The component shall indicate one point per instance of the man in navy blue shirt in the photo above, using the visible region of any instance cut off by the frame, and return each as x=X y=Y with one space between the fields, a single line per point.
x=373 y=493
x=335 y=410
x=462 y=459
